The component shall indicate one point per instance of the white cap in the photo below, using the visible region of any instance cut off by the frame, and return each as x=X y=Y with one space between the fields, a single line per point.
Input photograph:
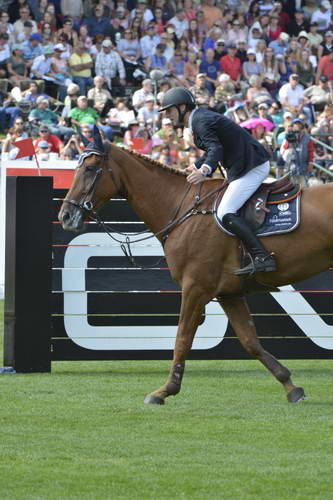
x=60 y=46
x=287 y=114
x=326 y=4
x=284 y=36
x=303 y=34
x=106 y=43
x=224 y=77
x=251 y=51
x=166 y=121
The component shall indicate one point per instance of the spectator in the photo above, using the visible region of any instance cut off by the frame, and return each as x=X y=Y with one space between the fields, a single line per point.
x=224 y=91
x=200 y=91
x=84 y=114
x=270 y=71
x=44 y=116
x=304 y=68
x=191 y=68
x=80 y=63
x=176 y=67
x=98 y=23
x=26 y=32
x=297 y=150
x=291 y=95
x=251 y=67
x=16 y=66
x=148 y=112
x=4 y=54
x=53 y=142
x=231 y=65
x=120 y=115
x=8 y=112
x=109 y=65
x=140 y=96
x=193 y=36
x=101 y=97
x=280 y=45
x=256 y=93
x=32 y=93
x=315 y=38
x=319 y=94
x=16 y=133
x=18 y=26
x=180 y=23
x=325 y=67
x=115 y=30
x=32 y=48
x=130 y=134
x=212 y=69
x=149 y=41
x=42 y=151
x=326 y=46
x=236 y=34
x=157 y=61
x=129 y=46
x=67 y=29
x=298 y=24
x=211 y=14
x=274 y=29
x=142 y=10
x=322 y=16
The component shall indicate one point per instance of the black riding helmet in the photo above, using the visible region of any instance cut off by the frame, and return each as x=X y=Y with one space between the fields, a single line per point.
x=176 y=97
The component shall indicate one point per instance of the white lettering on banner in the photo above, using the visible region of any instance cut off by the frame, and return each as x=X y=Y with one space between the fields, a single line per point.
x=160 y=337
x=209 y=334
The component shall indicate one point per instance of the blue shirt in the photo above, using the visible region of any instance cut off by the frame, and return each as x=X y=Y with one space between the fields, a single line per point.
x=29 y=52
x=278 y=49
x=96 y=27
x=211 y=69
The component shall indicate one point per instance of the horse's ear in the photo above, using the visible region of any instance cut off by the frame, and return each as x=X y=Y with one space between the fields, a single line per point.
x=98 y=139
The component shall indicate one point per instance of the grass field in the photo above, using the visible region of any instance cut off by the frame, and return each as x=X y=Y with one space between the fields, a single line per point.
x=83 y=432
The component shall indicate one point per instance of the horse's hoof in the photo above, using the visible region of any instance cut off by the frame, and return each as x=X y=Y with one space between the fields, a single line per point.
x=296 y=395
x=153 y=400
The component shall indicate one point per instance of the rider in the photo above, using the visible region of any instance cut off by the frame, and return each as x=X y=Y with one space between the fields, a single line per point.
x=244 y=159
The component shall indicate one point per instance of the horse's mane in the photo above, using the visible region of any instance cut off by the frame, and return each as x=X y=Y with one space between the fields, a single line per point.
x=152 y=162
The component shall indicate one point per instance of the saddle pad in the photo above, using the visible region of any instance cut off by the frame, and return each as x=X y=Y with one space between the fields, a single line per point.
x=282 y=218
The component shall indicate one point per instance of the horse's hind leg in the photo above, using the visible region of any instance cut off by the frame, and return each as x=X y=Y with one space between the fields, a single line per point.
x=190 y=314
x=240 y=318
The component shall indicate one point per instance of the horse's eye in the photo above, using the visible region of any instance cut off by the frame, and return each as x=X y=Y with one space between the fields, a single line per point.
x=90 y=168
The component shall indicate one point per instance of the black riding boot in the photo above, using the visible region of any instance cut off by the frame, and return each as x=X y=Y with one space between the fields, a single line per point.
x=262 y=260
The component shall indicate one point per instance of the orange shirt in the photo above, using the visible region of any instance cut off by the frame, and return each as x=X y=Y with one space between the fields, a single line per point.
x=230 y=66
x=326 y=67
x=211 y=15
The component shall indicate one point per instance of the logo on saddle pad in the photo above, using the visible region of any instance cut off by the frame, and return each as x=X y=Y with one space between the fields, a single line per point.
x=283 y=206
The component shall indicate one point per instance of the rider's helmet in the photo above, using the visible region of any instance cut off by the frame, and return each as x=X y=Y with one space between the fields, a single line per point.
x=177 y=97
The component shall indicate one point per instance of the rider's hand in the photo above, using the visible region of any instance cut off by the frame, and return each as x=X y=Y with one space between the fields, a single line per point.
x=195 y=176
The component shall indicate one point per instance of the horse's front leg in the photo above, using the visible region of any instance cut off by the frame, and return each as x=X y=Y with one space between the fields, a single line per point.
x=191 y=311
x=240 y=318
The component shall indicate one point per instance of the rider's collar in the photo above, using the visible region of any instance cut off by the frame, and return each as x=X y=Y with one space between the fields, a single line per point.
x=190 y=118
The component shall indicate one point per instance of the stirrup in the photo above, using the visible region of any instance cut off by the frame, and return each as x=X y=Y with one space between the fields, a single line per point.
x=258 y=264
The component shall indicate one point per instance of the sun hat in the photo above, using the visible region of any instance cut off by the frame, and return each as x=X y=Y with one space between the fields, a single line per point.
x=60 y=46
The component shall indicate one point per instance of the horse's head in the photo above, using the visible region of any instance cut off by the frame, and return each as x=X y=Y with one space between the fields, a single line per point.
x=94 y=183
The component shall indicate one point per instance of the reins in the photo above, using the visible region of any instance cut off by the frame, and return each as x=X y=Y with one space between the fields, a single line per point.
x=86 y=205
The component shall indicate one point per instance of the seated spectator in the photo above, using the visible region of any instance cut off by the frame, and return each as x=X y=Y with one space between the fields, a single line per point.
x=101 y=97
x=80 y=63
x=274 y=29
x=4 y=54
x=164 y=86
x=224 y=91
x=32 y=93
x=67 y=29
x=16 y=133
x=298 y=24
x=256 y=94
x=41 y=69
x=97 y=23
x=231 y=65
x=149 y=41
x=270 y=71
x=32 y=48
x=200 y=91
x=158 y=60
x=210 y=41
x=211 y=68
x=176 y=67
x=236 y=34
x=139 y=97
x=96 y=48
x=77 y=144
x=130 y=134
x=53 y=142
x=161 y=135
x=276 y=114
x=148 y=111
x=120 y=115
x=25 y=15
x=144 y=133
x=291 y=95
x=280 y=45
x=129 y=46
x=42 y=151
x=8 y=113
x=26 y=32
x=179 y=22
x=315 y=39
x=16 y=66
x=191 y=68
x=325 y=67
x=319 y=94
x=110 y=66
x=305 y=69
x=84 y=114
x=193 y=36
x=251 y=67
x=44 y=116
x=322 y=16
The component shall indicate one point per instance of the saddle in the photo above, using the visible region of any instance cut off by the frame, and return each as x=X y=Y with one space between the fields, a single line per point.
x=269 y=193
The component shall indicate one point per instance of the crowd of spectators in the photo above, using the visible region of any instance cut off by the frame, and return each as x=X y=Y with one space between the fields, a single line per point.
x=67 y=65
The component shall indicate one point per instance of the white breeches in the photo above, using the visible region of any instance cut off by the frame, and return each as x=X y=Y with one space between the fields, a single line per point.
x=240 y=190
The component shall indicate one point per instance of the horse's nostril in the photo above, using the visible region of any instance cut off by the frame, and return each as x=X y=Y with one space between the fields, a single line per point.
x=65 y=216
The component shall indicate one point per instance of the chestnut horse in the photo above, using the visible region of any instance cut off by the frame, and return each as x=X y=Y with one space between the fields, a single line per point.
x=201 y=258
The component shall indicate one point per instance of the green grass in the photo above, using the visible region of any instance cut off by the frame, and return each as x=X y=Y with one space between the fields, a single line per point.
x=83 y=432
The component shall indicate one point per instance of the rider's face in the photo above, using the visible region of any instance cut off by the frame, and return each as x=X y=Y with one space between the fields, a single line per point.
x=173 y=114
